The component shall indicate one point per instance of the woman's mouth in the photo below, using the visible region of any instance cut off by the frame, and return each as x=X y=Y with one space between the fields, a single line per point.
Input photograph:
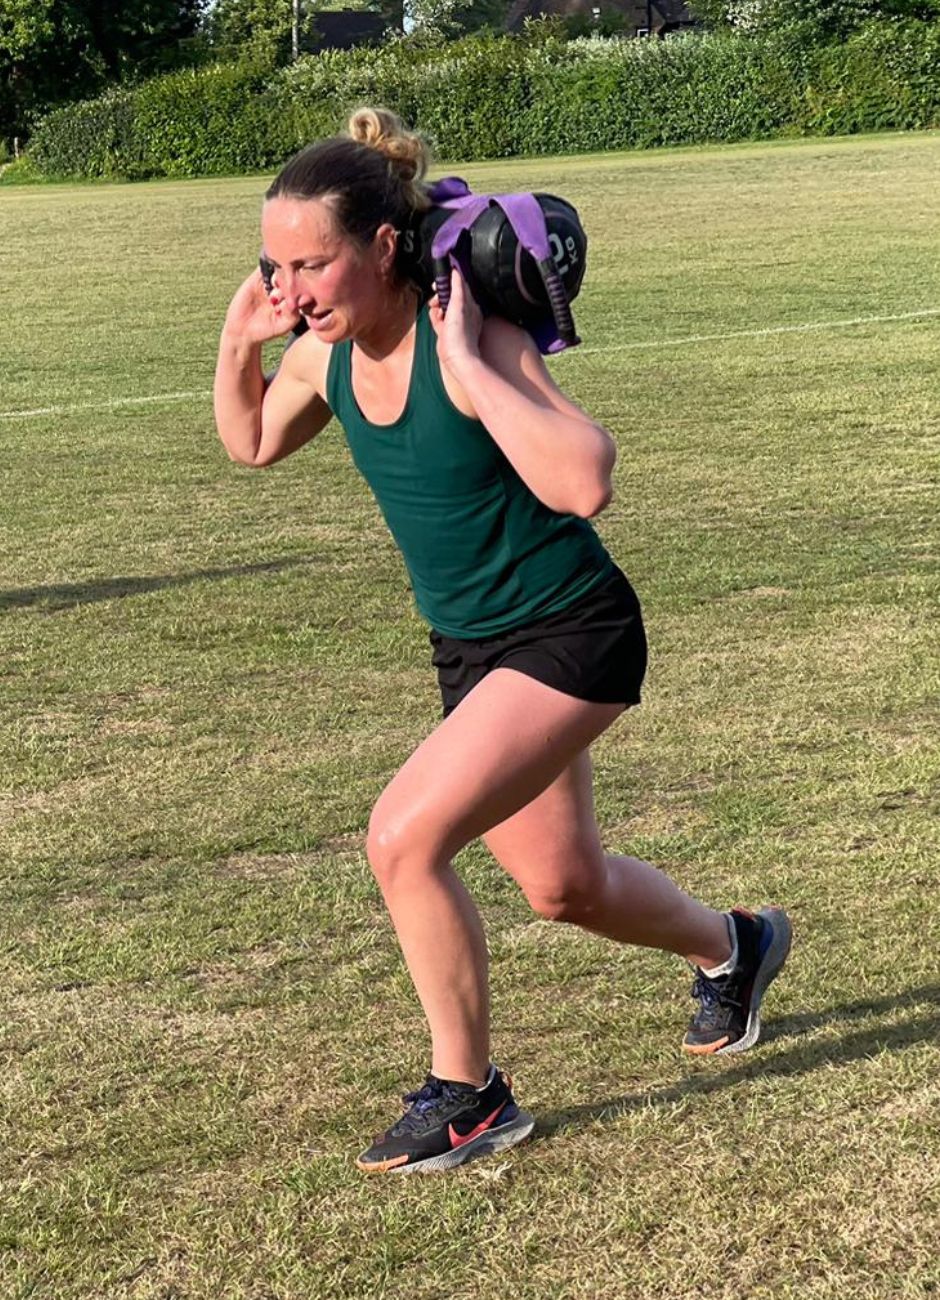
x=319 y=319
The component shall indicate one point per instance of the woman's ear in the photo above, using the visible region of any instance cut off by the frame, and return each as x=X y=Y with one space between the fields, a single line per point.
x=386 y=246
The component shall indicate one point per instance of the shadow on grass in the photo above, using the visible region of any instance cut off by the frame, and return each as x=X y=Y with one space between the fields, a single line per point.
x=801 y=1058
x=68 y=595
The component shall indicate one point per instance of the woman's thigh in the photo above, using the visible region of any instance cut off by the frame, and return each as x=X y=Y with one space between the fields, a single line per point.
x=504 y=744
x=552 y=847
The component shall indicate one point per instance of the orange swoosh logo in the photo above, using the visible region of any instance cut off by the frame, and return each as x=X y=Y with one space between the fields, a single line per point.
x=460 y=1139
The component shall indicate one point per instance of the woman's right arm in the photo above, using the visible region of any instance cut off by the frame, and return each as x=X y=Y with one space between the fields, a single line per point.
x=262 y=423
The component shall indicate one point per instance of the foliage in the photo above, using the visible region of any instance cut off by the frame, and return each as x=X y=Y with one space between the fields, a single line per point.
x=489 y=96
x=196 y=122
x=441 y=17
x=813 y=21
x=57 y=50
x=440 y=20
x=480 y=14
x=22 y=171
x=883 y=77
x=260 y=30
x=24 y=24
x=610 y=22
x=95 y=138
x=207 y=122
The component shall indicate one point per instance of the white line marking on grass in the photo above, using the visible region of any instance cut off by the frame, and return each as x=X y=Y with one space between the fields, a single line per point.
x=102 y=406
x=614 y=347
x=763 y=333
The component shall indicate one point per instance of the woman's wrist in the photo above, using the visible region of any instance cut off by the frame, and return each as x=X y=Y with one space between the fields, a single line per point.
x=468 y=368
x=233 y=340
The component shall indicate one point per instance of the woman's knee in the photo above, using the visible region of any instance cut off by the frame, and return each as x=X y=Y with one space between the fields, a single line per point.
x=386 y=844
x=572 y=895
x=400 y=846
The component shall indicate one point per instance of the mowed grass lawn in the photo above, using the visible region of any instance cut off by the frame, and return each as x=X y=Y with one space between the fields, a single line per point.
x=207 y=675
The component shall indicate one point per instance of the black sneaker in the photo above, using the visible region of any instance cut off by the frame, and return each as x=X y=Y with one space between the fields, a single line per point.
x=728 y=1018
x=447 y=1123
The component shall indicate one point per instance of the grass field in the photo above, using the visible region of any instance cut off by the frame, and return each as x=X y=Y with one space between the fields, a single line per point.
x=207 y=675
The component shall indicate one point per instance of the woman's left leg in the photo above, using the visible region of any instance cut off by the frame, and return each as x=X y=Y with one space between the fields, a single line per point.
x=552 y=849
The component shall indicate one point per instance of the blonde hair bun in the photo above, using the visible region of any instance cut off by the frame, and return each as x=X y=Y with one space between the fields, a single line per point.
x=406 y=151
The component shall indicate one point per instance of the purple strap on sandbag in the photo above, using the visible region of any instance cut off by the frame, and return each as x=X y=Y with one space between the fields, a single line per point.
x=448 y=187
x=523 y=211
x=528 y=221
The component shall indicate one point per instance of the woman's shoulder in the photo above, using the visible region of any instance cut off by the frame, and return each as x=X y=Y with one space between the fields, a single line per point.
x=501 y=337
x=514 y=355
x=454 y=393
x=307 y=359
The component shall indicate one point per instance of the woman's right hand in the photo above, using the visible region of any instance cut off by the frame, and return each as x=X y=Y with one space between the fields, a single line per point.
x=255 y=316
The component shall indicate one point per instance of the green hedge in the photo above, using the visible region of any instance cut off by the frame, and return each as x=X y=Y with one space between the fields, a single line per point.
x=501 y=96
x=637 y=94
x=205 y=122
x=95 y=138
x=493 y=97
x=885 y=77
x=200 y=122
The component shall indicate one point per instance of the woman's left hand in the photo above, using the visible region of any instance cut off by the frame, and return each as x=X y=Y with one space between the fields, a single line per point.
x=458 y=333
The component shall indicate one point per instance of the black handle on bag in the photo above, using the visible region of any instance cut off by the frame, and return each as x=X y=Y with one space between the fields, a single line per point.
x=266 y=268
x=558 y=301
x=442 y=282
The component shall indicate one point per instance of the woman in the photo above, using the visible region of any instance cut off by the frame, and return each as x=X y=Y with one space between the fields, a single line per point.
x=487 y=475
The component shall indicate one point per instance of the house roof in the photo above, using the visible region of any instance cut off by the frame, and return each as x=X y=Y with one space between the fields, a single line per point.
x=342 y=28
x=673 y=11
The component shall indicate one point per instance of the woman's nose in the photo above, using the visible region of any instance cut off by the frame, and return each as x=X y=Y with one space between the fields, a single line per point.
x=289 y=285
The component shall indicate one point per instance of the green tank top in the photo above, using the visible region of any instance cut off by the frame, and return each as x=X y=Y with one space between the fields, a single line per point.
x=483 y=553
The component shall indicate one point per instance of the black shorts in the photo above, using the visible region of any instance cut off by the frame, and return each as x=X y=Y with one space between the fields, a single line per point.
x=595 y=650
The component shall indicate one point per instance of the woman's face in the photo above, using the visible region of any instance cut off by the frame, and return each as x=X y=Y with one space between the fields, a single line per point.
x=338 y=286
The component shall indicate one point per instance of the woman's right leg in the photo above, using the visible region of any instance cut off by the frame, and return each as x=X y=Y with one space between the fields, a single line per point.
x=506 y=742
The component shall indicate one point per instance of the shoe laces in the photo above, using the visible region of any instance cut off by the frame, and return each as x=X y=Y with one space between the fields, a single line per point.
x=420 y=1105
x=714 y=994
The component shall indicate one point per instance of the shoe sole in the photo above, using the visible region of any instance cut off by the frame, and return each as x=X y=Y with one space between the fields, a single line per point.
x=487 y=1144
x=767 y=971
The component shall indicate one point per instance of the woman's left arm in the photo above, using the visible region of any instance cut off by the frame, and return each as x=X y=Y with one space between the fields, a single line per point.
x=563 y=455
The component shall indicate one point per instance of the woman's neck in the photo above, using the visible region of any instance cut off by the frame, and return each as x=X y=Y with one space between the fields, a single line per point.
x=392 y=324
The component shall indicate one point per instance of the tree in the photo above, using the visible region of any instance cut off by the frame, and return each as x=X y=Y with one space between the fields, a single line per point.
x=435 y=17
x=446 y=19
x=262 y=28
x=256 y=28
x=52 y=51
x=482 y=14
